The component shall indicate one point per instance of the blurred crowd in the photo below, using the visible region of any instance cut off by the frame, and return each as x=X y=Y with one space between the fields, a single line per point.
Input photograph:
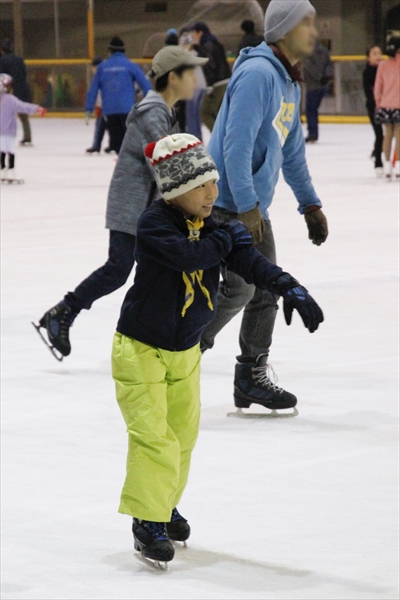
x=381 y=85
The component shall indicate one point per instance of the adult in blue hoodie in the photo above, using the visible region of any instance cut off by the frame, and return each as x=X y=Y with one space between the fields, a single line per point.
x=258 y=132
x=115 y=79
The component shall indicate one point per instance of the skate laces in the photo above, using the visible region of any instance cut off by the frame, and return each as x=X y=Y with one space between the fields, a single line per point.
x=266 y=376
x=67 y=321
x=176 y=516
x=157 y=530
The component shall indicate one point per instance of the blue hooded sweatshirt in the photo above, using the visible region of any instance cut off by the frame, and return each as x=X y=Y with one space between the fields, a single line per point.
x=115 y=78
x=258 y=132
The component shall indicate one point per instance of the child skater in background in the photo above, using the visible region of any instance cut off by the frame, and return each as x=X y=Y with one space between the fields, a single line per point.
x=387 y=97
x=10 y=107
x=156 y=351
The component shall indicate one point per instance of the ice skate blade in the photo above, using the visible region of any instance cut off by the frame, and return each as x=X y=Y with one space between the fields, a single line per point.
x=54 y=352
x=154 y=564
x=274 y=414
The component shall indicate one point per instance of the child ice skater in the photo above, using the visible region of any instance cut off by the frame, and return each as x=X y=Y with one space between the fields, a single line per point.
x=156 y=352
x=387 y=97
x=10 y=107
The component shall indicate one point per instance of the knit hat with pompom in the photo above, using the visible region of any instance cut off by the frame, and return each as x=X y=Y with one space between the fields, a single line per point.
x=181 y=163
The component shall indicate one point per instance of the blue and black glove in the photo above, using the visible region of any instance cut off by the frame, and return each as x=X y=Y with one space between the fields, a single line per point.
x=239 y=233
x=296 y=297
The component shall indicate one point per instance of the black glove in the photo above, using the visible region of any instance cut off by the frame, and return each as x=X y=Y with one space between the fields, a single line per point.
x=317 y=226
x=238 y=232
x=295 y=296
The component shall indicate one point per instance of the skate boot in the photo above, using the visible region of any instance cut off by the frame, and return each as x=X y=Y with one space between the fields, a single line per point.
x=397 y=170
x=57 y=322
x=311 y=139
x=178 y=528
x=388 y=170
x=93 y=151
x=153 y=543
x=253 y=385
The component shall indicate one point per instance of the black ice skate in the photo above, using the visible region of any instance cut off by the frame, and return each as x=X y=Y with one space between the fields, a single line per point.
x=93 y=151
x=178 y=528
x=57 y=322
x=253 y=385
x=153 y=543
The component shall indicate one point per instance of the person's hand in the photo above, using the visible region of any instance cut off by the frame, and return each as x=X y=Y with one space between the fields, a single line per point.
x=97 y=112
x=238 y=232
x=88 y=116
x=317 y=226
x=296 y=297
x=299 y=299
x=41 y=111
x=254 y=223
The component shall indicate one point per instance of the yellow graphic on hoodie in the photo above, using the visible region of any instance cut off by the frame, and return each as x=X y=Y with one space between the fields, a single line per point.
x=283 y=116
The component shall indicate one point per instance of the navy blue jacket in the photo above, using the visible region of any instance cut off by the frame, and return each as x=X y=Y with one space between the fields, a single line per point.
x=152 y=309
x=115 y=78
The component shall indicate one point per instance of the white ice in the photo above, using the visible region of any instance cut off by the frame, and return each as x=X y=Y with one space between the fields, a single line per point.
x=280 y=509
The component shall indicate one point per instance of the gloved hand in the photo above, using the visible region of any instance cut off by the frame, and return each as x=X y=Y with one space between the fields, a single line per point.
x=88 y=116
x=238 y=232
x=317 y=226
x=296 y=297
x=98 y=112
x=254 y=222
x=41 y=111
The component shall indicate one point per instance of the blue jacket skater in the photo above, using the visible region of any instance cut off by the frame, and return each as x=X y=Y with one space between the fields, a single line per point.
x=115 y=78
x=258 y=132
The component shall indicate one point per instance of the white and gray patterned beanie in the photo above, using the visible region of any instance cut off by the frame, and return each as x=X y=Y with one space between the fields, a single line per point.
x=181 y=163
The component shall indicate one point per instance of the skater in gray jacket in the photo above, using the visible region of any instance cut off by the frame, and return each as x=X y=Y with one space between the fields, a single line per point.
x=132 y=189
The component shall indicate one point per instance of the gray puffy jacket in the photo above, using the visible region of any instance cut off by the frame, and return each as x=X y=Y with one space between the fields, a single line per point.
x=133 y=186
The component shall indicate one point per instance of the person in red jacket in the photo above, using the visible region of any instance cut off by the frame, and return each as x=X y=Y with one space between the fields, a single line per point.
x=387 y=97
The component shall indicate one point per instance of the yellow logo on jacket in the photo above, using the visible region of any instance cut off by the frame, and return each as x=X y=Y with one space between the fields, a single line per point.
x=283 y=117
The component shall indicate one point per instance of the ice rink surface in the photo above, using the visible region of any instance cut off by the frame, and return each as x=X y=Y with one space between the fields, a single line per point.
x=280 y=509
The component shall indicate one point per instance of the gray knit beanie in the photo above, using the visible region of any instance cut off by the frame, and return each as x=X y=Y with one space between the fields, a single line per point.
x=283 y=15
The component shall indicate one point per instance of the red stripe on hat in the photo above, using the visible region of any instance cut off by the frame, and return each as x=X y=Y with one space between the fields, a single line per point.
x=156 y=162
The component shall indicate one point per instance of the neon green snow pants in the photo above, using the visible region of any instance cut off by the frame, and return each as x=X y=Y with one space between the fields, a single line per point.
x=158 y=393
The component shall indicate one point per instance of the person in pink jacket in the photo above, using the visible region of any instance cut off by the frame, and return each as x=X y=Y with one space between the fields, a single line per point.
x=10 y=107
x=387 y=97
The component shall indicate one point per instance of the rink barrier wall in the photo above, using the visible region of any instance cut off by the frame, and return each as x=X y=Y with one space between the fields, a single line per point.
x=63 y=91
x=332 y=119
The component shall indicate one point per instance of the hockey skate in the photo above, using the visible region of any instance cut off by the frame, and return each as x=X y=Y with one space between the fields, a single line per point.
x=178 y=528
x=152 y=542
x=57 y=323
x=255 y=383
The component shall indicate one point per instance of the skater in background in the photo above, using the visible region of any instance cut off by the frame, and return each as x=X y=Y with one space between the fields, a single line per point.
x=250 y=38
x=10 y=108
x=374 y=57
x=217 y=71
x=387 y=98
x=101 y=125
x=318 y=73
x=115 y=78
x=156 y=351
x=132 y=189
x=249 y=155
x=172 y=38
x=193 y=107
x=14 y=65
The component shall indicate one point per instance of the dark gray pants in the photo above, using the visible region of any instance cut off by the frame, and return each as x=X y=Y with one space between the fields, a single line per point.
x=260 y=307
